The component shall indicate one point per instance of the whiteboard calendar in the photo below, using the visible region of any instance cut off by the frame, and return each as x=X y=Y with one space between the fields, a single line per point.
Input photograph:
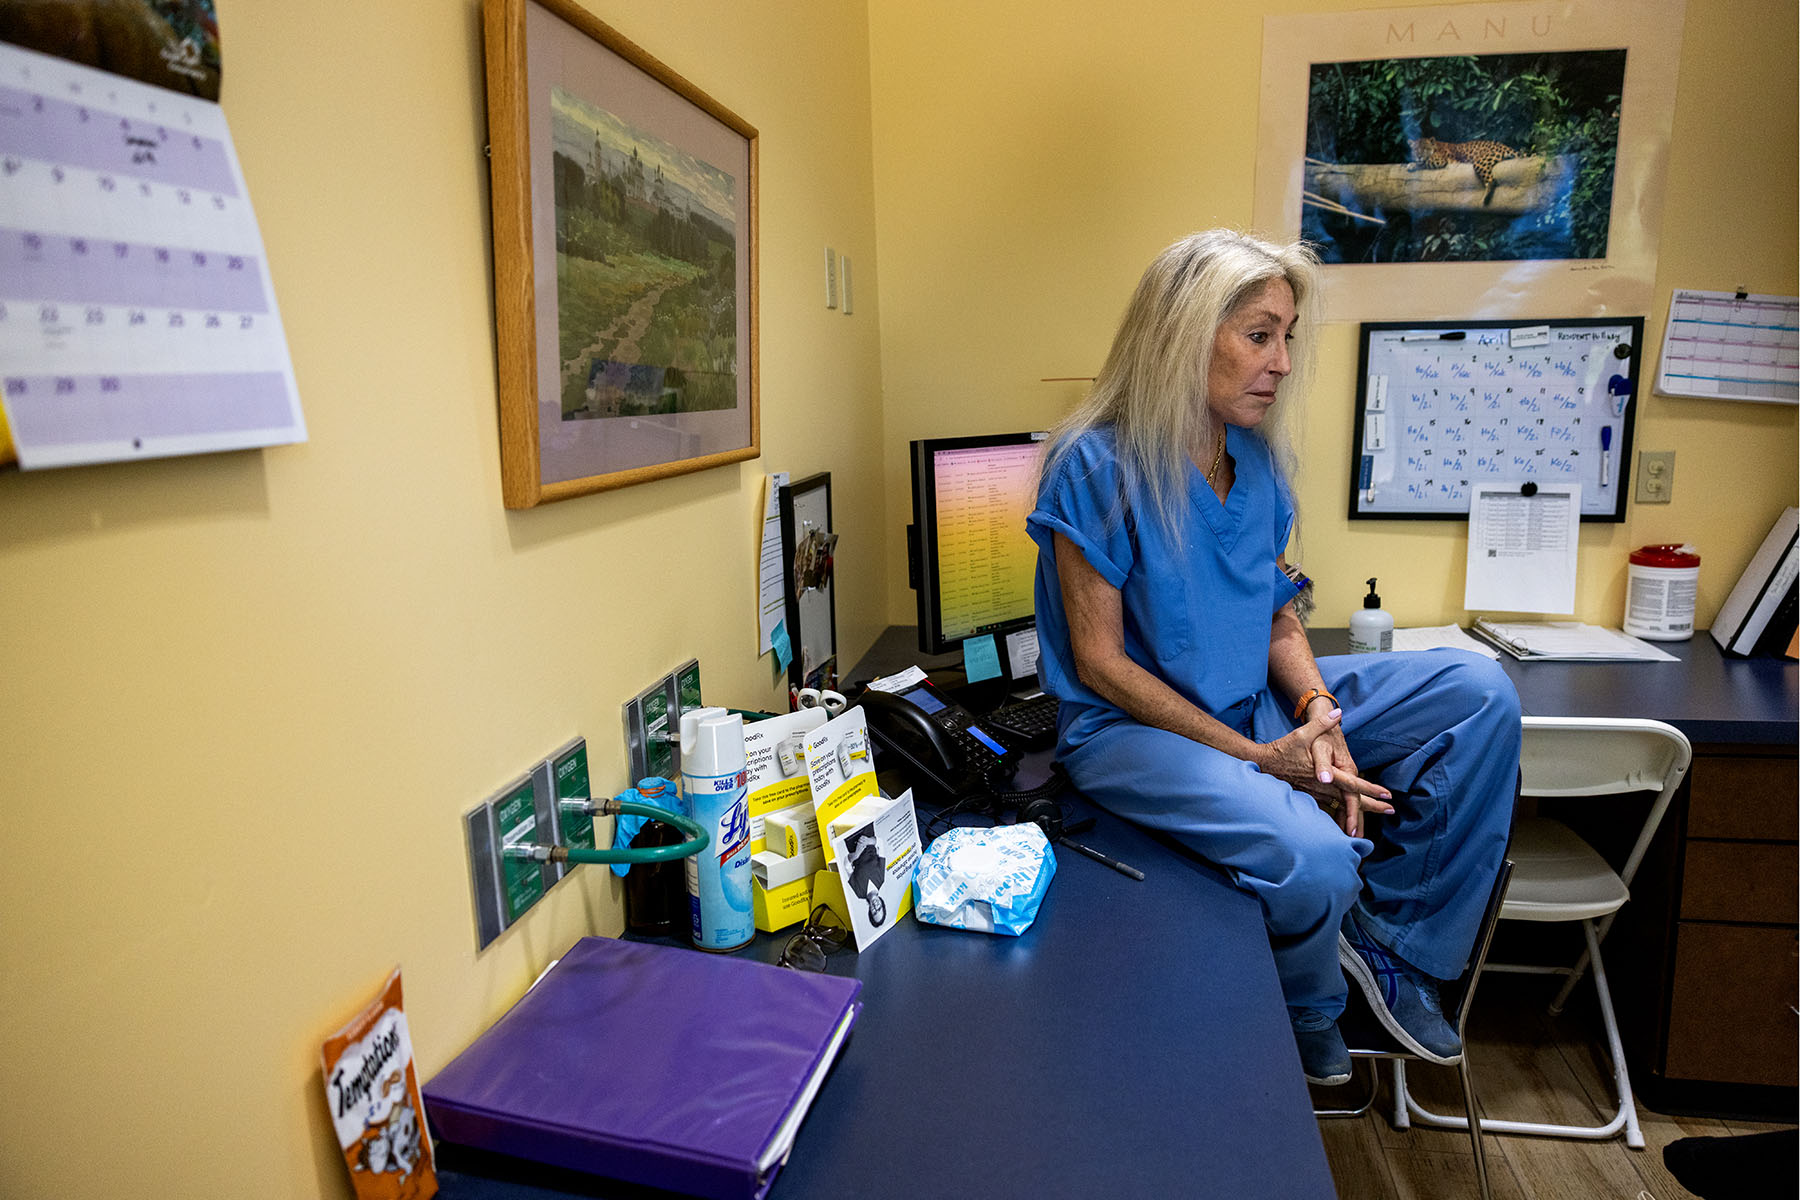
x=1445 y=406
x=137 y=315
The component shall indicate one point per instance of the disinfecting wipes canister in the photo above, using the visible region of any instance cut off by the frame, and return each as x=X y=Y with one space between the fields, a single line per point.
x=715 y=783
x=1660 y=585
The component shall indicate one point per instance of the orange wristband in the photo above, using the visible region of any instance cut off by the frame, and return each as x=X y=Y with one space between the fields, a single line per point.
x=1308 y=697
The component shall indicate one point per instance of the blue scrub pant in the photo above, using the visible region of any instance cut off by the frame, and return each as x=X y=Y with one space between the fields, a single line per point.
x=1438 y=728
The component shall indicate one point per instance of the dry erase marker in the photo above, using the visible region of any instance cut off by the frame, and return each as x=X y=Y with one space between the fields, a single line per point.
x=1454 y=335
x=1605 y=455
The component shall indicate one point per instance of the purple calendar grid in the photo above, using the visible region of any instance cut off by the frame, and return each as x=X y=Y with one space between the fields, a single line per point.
x=77 y=135
x=36 y=266
x=49 y=410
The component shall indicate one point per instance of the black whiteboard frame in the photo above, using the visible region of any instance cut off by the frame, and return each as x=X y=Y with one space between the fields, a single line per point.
x=1627 y=419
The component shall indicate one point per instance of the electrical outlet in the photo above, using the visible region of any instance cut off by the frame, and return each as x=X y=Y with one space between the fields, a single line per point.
x=1656 y=476
x=831 y=278
x=844 y=262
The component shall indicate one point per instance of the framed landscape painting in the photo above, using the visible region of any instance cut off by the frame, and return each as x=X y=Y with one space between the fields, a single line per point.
x=624 y=209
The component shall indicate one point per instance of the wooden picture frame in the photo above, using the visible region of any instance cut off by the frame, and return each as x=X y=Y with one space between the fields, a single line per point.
x=625 y=276
x=808 y=551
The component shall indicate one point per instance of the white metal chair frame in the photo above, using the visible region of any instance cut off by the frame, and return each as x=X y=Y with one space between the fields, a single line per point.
x=1560 y=877
x=1390 y=1049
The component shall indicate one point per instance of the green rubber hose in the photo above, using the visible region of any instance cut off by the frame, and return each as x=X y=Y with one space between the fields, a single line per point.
x=697 y=839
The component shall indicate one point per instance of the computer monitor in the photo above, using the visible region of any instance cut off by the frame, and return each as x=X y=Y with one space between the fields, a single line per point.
x=970 y=557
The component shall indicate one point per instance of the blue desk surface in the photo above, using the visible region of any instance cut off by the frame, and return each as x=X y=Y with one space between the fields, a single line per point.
x=1711 y=696
x=1133 y=1042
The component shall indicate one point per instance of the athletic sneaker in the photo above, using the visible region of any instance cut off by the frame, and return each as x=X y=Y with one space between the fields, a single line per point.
x=1403 y=998
x=1322 y=1054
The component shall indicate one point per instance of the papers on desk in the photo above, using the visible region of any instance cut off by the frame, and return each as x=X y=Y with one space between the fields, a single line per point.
x=1571 y=641
x=771 y=581
x=1440 y=637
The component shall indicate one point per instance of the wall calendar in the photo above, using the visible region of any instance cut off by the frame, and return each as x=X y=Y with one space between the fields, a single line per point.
x=137 y=315
x=1446 y=405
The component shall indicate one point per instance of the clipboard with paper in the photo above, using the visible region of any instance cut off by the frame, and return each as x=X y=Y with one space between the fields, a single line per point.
x=1568 y=641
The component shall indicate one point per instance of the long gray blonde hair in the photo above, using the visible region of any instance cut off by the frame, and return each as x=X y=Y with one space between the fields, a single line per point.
x=1158 y=364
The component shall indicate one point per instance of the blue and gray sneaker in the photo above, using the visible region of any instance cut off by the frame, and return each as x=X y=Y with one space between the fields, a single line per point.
x=1404 y=999
x=1322 y=1054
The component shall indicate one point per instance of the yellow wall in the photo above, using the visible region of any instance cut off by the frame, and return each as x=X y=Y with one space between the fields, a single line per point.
x=1030 y=159
x=245 y=698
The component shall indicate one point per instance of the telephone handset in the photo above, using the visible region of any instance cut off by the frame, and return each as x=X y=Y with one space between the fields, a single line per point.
x=939 y=743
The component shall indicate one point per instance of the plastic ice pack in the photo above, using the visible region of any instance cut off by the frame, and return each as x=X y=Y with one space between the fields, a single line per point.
x=989 y=880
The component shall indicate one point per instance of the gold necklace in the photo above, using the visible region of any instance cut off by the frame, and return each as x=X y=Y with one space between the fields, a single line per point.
x=1218 y=457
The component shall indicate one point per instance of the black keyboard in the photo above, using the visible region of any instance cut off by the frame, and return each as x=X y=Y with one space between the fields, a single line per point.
x=1028 y=724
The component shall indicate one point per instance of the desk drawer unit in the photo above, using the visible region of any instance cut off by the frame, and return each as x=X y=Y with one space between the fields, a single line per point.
x=1730 y=1017
x=1739 y=881
x=1718 y=897
x=1744 y=798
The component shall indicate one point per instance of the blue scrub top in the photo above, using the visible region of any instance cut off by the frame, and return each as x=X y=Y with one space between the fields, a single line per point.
x=1197 y=603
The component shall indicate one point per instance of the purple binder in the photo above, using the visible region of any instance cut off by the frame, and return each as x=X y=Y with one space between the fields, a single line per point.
x=654 y=1064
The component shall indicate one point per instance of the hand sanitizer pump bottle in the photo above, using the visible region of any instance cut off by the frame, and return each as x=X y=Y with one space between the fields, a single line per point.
x=1371 y=626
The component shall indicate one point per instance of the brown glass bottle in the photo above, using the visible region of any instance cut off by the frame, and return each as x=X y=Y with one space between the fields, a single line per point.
x=656 y=900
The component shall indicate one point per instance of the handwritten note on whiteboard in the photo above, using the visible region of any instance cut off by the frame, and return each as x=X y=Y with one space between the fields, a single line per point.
x=137 y=314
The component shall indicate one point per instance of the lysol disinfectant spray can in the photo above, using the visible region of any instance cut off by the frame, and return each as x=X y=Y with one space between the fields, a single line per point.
x=714 y=781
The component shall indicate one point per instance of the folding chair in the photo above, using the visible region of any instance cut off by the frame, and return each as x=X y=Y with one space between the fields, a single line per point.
x=1369 y=1041
x=1559 y=877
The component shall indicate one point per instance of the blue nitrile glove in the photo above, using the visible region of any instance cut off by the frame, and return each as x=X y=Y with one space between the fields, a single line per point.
x=627 y=825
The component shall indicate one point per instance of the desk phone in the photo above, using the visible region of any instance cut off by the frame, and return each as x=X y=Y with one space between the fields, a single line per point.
x=940 y=744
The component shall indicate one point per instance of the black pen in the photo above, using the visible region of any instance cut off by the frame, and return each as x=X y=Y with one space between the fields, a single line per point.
x=1454 y=335
x=1098 y=857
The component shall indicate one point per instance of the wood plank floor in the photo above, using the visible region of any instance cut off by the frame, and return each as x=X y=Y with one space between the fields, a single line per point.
x=1528 y=1066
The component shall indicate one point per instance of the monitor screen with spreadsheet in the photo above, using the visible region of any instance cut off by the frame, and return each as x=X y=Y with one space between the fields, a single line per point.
x=971 y=559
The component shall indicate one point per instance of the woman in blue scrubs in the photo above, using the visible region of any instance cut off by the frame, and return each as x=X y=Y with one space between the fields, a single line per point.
x=1363 y=800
